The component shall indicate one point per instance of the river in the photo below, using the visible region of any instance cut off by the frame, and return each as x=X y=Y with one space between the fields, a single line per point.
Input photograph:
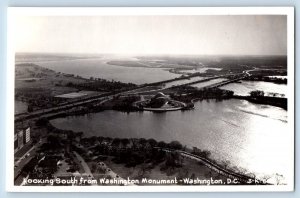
x=245 y=87
x=98 y=67
x=184 y=81
x=208 y=83
x=250 y=136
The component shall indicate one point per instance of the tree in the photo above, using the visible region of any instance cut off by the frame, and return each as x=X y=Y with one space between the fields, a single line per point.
x=30 y=108
x=266 y=178
x=144 y=168
x=42 y=122
x=225 y=163
x=162 y=144
x=174 y=159
x=69 y=84
x=116 y=142
x=94 y=168
x=175 y=145
x=80 y=134
x=142 y=141
x=195 y=150
x=152 y=142
x=125 y=142
x=279 y=178
x=183 y=173
x=193 y=176
x=205 y=154
x=53 y=143
x=257 y=93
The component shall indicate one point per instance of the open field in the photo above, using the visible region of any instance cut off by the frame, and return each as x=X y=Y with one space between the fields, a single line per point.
x=36 y=79
x=190 y=169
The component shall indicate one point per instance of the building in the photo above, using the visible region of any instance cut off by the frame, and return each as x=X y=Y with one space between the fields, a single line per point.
x=16 y=143
x=22 y=137
x=158 y=100
x=27 y=135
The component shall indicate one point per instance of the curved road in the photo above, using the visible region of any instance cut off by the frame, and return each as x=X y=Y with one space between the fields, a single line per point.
x=223 y=171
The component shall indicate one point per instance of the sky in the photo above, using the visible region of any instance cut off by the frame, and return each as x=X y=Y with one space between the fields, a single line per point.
x=189 y=35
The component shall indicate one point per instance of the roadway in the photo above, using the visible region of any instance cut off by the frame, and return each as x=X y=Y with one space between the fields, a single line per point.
x=223 y=171
x=23 y=160
x=101 y=98
x=19 y=164
x=85 y=167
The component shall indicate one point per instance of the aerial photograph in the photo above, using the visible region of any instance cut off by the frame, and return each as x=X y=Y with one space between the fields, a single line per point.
x=151 y=100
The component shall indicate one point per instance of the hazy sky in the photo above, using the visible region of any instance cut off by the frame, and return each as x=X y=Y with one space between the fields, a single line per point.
x=216 y=35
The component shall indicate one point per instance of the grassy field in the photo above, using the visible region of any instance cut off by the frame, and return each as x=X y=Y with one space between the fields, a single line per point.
x=190 y=169
x=35 y=79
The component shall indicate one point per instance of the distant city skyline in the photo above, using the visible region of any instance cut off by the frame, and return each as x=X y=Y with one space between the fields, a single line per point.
x=153 y=35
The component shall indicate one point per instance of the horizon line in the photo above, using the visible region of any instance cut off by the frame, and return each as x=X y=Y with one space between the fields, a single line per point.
x=146 y=54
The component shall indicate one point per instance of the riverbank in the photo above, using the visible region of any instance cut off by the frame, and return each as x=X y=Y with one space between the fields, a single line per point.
x=146 y=158
x=224 y=129
x=189 y=94
x=265 y=100
x=155 y=175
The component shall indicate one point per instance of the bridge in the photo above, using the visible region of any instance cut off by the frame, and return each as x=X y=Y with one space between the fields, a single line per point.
x=224 y=82
x=56 y=110
x=102 y=98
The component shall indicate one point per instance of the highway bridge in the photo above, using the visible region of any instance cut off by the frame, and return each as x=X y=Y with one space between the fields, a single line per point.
x=101 y=98
x=224 y=82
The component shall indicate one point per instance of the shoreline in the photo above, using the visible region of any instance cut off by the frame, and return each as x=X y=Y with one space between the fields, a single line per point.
x=65 y=114
x=173 y=147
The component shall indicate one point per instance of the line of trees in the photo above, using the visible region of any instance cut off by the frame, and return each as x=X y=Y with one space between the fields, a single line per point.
x=97 y=84
x=187 y=94
x=267 y=79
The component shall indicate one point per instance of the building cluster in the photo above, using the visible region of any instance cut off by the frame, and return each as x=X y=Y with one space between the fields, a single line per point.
x=22 y=137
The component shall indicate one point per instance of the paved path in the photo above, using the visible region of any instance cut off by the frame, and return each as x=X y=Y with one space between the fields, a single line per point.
x=24 y=155
x=85 y=166
x=111 y=173
x=215 y=167
x=96 y=98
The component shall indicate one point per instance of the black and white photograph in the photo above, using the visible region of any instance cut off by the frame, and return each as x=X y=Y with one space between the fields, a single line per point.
x=151 y=99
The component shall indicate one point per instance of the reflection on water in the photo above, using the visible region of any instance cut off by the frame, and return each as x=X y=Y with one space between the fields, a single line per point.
x=97 y=67
x=180 y=82
x=245 y=87
x=199 y=70
x=281 y=77
x=249 y=135
x=207 y=83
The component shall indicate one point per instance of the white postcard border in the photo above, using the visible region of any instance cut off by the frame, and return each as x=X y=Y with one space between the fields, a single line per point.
x=133 y=11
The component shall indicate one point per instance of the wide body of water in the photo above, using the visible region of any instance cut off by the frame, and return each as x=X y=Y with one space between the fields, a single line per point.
x=208 y=83
x=199 y=70
x=98 y=67
x=245 y=87
x=181 y=82
x=250 y=136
